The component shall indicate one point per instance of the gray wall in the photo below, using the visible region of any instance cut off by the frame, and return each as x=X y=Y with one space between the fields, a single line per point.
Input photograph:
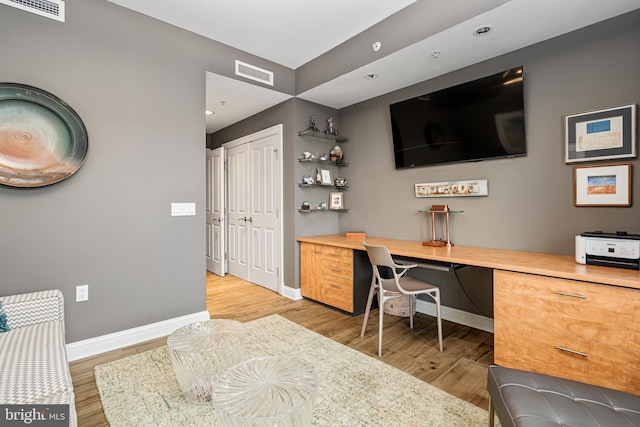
x=530 y=202
x=139 y=86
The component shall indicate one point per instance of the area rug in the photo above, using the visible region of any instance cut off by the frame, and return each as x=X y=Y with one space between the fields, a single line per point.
x=354 y=390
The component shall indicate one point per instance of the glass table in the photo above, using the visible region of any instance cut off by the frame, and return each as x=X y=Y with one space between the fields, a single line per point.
x=202 y=350
x=266 y=391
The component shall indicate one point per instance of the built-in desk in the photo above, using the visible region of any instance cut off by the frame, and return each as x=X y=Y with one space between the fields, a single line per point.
x=551 y=314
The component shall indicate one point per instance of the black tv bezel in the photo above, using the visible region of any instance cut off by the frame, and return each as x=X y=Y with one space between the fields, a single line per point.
x=505 y=75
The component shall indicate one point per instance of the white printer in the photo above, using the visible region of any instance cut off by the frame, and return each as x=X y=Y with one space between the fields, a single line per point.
x=618 y=249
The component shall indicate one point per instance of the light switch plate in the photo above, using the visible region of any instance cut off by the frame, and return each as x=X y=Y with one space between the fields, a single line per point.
x=183 y=209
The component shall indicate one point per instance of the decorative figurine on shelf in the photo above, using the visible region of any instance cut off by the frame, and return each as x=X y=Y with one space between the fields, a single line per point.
x=331 y=126
x=312 y=124
x=336 y=154
x=308 y=180
x=307 y=155
x=305 y=206
x=323 y=157
x=340 y=182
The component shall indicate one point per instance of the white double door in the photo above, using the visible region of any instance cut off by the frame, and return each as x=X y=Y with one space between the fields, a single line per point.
x=254 y=193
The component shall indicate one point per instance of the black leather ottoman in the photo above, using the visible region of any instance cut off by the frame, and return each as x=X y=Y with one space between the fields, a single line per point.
x=526 y=399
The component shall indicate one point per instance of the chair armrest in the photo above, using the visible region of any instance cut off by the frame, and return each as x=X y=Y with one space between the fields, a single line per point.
x=36 y=307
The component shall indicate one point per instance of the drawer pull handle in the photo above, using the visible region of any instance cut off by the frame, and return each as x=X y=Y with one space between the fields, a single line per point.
x=338 y=270
x=336 y=285
x=315 y=251
x=566 y=294
x=335 y=255
x=568 y=350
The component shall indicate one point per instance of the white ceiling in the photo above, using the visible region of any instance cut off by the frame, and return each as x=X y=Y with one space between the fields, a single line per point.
x=313 y=28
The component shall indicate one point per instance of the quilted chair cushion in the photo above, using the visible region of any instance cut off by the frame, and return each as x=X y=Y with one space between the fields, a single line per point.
x=527 y=399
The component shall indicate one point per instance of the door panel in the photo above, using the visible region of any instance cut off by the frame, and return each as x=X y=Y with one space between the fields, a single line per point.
x=265 y=183
x=237 y=211
x=215 y=241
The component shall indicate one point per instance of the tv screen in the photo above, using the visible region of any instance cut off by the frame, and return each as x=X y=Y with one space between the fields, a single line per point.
x=477 y=120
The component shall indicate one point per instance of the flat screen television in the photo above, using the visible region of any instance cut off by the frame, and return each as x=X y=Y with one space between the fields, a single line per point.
x=478 y=120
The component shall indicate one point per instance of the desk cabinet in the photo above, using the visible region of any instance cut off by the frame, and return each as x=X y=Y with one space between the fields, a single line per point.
x=335 y=276
x=582 y=331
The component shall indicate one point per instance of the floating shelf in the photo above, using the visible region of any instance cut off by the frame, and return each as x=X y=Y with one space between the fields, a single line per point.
x=337 y=187
x=338 y=163
x=318 y=134
x=322 y=210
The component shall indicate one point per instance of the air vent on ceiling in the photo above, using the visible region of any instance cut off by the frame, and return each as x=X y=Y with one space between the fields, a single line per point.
x=254 y=73
x=53 y=9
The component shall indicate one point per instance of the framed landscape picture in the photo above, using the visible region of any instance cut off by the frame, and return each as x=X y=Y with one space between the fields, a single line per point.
x=606 y=185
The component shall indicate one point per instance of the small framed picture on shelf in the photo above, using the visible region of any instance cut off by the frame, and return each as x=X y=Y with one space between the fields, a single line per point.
x=336 y=200
x=324 y=177
x=605 y=185
x=600 y=135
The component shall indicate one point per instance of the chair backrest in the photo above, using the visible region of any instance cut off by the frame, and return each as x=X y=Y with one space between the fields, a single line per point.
x=379 y=256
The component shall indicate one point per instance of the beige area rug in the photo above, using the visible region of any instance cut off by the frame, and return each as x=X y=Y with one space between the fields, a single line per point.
x=355 y=389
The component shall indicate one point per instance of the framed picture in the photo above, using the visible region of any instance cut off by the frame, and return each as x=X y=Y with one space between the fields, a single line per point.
x=324 y=177
x=336 y=200
x=475 y=187
x=602 y=134
x=606 y=185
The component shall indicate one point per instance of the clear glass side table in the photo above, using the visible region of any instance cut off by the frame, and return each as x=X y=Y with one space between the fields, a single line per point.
x=266 y=391
x=202 y=350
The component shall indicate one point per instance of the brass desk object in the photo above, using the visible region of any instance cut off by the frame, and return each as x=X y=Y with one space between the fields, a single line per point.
x=444 y=210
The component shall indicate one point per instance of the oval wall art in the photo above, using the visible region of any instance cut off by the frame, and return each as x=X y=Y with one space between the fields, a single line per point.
x=42 y=140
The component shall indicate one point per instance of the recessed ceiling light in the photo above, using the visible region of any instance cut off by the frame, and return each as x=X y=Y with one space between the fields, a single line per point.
x=208 y=112
x=483 y=30
x=370 y=76
x=435 y=54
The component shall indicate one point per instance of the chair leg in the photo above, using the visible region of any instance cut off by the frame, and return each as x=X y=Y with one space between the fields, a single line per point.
x=439 y=319
x=381 y=300
x=372 y=291
x=492 y=413
x=411 y=311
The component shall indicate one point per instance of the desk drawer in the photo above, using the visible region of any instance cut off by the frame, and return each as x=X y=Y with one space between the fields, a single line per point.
x=332 y=253
x=523 y=346
x=338 y=269
x=337 y=292
x=602 y=313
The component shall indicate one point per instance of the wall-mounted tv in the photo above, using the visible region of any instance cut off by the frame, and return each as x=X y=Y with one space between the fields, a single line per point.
x=478 y=120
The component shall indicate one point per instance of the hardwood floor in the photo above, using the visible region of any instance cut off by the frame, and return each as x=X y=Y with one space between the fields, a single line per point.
x=460 y=370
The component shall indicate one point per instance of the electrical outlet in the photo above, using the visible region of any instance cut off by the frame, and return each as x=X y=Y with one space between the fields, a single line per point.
x=82 y=293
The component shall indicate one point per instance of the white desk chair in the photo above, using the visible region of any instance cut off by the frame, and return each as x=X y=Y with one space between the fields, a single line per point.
x=397 y=286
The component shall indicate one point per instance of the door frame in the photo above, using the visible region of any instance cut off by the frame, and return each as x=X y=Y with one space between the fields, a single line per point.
x=278 y=130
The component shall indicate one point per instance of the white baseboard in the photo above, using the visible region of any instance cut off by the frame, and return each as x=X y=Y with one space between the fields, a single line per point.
x=92 y=346
x=457 y=316
x=291 y=293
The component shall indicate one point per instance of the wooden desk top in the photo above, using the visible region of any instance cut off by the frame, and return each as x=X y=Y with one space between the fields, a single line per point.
x=561 y=266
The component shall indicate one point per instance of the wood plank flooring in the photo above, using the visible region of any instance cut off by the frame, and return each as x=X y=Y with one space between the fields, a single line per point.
x=460 y=370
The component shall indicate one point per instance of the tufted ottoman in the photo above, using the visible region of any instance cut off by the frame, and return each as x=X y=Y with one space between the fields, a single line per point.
x=527 y=399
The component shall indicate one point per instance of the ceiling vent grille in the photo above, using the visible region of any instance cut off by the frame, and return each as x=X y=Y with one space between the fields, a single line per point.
x=254 y=73
x=53 y=9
